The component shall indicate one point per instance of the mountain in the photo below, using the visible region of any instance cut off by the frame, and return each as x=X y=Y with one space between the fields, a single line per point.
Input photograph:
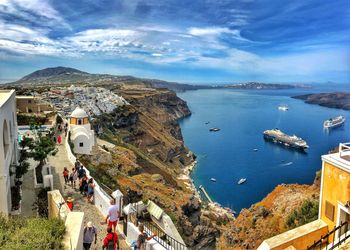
x=53 y=72
x=68 y=76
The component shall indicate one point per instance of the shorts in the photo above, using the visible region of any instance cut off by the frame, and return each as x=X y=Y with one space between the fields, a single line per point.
x=112 y=223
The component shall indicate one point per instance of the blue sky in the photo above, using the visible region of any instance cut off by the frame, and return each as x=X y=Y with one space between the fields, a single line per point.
x=200 y=41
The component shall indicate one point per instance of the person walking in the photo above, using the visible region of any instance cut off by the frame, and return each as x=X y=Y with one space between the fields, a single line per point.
x=59 y=139
x=111 y=241
x=91 y=188
x=66 y=175
x=140 y=243
x=70 y=203
x=83 y=185
x=74 y=177
x=81 y=171
x=113 y=215
x=89 y=235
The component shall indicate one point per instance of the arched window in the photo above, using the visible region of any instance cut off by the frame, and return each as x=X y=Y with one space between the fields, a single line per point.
x=5 y=138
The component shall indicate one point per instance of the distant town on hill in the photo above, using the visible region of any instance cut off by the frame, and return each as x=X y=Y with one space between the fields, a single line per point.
x=65 y=75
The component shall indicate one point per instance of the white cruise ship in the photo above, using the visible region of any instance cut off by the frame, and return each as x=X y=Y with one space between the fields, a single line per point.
x=334 y=122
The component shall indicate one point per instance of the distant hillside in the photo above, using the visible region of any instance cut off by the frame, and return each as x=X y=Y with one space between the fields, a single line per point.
x=338 y=100
x=53 y=72
x=68 y=76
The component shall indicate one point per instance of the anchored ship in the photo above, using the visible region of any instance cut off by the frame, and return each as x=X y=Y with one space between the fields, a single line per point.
x=283 y=107
x=334 y=122
x=277 y=136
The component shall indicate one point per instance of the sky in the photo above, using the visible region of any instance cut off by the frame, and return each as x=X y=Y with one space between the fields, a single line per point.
x=201 y=41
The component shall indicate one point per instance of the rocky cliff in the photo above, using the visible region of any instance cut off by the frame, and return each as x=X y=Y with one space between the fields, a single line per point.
x=149 y=157
x=339 y=100
x=278 y=212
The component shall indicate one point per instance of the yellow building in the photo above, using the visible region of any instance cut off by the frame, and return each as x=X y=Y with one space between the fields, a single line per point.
x=334 y=209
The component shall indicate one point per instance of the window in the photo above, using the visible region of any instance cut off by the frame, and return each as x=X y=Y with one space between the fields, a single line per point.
x=329 y=211
x=79 y=122
x=81 y=144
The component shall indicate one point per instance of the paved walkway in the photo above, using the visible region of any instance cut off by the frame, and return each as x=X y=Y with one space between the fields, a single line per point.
x=28 y=194
x=59 y=161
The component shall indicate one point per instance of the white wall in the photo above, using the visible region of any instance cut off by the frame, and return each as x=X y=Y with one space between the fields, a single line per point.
x=8 y=117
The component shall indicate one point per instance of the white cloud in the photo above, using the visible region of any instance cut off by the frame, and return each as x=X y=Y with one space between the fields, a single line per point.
x=29 y=10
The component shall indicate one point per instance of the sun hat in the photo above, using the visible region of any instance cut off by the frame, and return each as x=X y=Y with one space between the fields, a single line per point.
x=70 y=199
x=89 y=224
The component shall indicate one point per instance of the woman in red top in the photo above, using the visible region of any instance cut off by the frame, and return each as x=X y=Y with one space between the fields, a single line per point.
x=59 y=139
x=111 y=241
x=70 y=204
x=66 y=175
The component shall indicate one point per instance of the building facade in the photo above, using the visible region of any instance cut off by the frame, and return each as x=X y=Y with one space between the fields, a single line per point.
x=81 y=134
x=32 y=104
x=8 y=147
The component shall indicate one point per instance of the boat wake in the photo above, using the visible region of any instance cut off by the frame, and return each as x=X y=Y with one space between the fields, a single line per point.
x=286 y=164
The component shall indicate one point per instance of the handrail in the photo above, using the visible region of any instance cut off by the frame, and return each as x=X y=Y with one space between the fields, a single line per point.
x=168 y=243
x=324 y=240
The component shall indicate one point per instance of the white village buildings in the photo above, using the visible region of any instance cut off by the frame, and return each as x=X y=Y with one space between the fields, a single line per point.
x=8 y=147
x=81 y=134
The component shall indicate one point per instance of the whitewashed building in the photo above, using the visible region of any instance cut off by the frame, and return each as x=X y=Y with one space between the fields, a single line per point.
x=81 y=134
x=8 y=147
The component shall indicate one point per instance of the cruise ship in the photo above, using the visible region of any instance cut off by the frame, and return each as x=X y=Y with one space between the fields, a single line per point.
x=277 y=136
x=334 y=122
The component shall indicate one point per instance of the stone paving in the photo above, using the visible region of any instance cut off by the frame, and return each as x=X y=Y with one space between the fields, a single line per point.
x=28 y=194
x=58 y=162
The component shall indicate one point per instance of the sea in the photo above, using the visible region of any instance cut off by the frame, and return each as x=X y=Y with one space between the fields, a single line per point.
x=242 y=116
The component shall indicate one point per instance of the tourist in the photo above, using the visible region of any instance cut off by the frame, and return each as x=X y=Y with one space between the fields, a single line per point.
x=81 y=171
x=77 y=164
x=70 y=203
x=83 y=185
x=113 y=215
x=65 y=175
x=111 y=241
x=91 y=187
x=90 y=233
x=73 y=177
x=59 y=139
x=140 y=243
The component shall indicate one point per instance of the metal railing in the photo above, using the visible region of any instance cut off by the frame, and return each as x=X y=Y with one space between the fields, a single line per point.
x=162 y=238
x=343 y=233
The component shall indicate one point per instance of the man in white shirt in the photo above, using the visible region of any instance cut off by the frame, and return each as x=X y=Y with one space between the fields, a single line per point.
x=113 y=215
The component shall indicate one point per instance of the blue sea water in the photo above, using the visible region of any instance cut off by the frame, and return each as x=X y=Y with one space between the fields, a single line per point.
x=242 y=116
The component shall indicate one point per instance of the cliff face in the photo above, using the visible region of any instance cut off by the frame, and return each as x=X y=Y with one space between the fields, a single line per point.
x=339 y=100
x=269 y=217
x=151 y=124
x=149 y=158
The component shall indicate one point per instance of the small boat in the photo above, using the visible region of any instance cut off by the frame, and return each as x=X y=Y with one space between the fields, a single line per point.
x=213 y=179
x=214 y=129
x=283 y=107
x=255 y=149
x=334 y=122
x=241 y=181
x=206 y=123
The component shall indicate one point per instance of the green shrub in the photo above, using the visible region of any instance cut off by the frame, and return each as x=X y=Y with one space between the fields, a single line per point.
x=318 y=175
x=33 y=233
x=308 y=212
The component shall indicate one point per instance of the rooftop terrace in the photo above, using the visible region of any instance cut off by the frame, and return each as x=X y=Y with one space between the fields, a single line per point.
x=341 y=158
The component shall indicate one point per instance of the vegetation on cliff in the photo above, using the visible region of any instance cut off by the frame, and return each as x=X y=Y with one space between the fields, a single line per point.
x=286 y=207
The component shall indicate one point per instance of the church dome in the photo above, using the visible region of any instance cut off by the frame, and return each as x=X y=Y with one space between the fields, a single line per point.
x=78 y=113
